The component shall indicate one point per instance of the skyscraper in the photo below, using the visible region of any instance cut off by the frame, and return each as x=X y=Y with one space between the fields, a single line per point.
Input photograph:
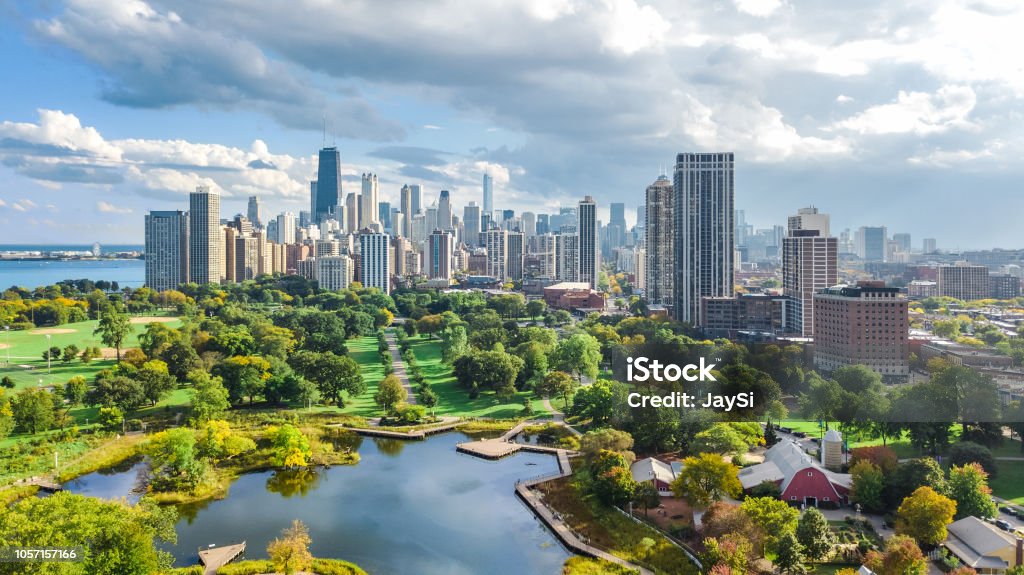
x=351 y=219
x=384 y=214
x=496 y=242
x=704 y=233
x=471 y=224
x=205 y=240
x=529 y=224
x=809 y=259
x=567 y=254
x=870 y=243
x=515 y=254
x=589 y=251
x=617 y=212
x=375 y=260
x=416 y=198
x=444 y=211
x=334 y=272
x=488 y=194
x=659 y=269
x=405 y=205
x=286 y=228
x=255 y=212
x=439 y=255
x=368 y=204
x=166 y=250
x=328 y=184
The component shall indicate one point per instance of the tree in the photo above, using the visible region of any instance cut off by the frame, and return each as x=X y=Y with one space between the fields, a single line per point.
x=454 y=343
x=720 y=438
x=909 y=475
x=706 y=478
x=332 y=374
x=775 y=518
x=290 y=552
x=75 y=390
x=924 y=516
x=173 y=454
x=156 y=381
x=110 y=418
x=390 y=393
x=615 y=486
x=815 y=534
x=51 y=353
x=557 y=384
x=70 y=353
x=291 y=446
x=902 y=556
x=597 y=401
x=964 y=452
x=646 y=495
x=580 y=355
x=181 y=359
x=217 y=441
x=606 y=439
x=968 y=486
x=535 y=308
x=868 y=486
x=430 y=324
x=790 y=557
x=723 y=518
x=209 y=396
x=113 y=328
x=33 y=410
x=883 y=457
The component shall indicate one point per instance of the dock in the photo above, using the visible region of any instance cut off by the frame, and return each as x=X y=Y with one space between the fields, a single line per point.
x=214 y=558
x=416 y=434
x=506 y=445
x=43 y=483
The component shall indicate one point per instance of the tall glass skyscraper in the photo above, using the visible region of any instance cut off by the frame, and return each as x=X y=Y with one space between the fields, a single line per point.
x=488 y=207
x=328 y=184
x=704 y=231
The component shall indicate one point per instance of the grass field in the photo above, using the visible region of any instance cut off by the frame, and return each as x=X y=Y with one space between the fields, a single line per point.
x=25 y=349
x=364 y=351
x=455 y=401
x=1009 y=482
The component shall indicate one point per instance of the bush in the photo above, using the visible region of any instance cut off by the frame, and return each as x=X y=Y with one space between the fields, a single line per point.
x=969 y=452
x=411 y=413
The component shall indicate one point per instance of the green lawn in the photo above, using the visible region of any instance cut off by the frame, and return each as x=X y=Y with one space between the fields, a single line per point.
x=364 y=351
x=1009 y=482
x=28 y=368
x=454 y=400
x=902 y=447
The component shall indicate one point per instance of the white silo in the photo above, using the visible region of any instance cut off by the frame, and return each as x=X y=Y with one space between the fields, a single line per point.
x=832 y=450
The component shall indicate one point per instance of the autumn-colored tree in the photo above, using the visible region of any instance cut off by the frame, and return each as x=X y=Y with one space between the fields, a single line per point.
x=291 y=446
x=901 y=557
x=924 y=516
x=706 y=478
x=868 y=486
x=968 y=486
x=883 y=457
x=290 y=552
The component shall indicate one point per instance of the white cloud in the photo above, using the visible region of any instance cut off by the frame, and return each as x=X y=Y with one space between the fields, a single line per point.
x=759 y=8
x=431 y=127
x=24 y=205
x=108 y=208
x=939 y=158
x=917 y=113
x=629 y=27
x=65 y=131
x=843 y=99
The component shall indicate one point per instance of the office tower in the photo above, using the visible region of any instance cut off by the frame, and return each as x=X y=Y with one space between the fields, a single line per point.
x=255 y=212
x=929 y=245
x=368 y=204
x=641 y=215
x=328 y=184
x=589 y=254
x=471 y=224
x=444 y=211
x=375 y=260
x=496 y=243
x=166 y=250
x=398 y=225
x=488 y=206
x=416 y=198
x=272 y=234
x=305 y=218
x=312 y=203
x=384 y=215
x=419 y=228
x=335 y=273
x=241 y=223
x=205 y=241
x=870 y=243
x=543 y=224
x=515 y=254
x=704 y=230
x=866 y=325
x=528 y=224
x=617 y=211
x=351 y=220
x=507 y=215
x=246 y=258
x=743 y=229
x=405 y=204
x=660 y=268
x=431 y=218
x=286 y=228
x=567 y=254
x=439 y=255
x=1004 y=286
x=964 y=281
x=902 y=242
x=809 y=260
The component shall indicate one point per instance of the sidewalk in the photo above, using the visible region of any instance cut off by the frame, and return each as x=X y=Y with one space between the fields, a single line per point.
x=399 y=366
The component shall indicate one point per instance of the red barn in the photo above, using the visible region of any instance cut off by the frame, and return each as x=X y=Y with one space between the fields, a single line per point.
x=802 y=480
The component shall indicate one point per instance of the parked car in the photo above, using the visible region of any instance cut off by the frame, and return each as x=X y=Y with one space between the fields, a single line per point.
x=1004 y=525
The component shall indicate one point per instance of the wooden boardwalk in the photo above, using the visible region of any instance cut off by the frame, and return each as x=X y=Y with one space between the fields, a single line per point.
x=414 y=434
x=44 y=483
x=216 y=557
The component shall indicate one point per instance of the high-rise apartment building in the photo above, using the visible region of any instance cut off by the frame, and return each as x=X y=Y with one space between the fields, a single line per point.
x=351 y=219
x=368 y=202
x=167 y=249
x=488 y=194
x=589 y=262
x=866 y=324
x=496 y=243
x=439 y=255
x=809 y=265
x=929 y=245
x=444 y=211
x=246 y=257
x=964 y=281
x=704 y=232
x=870 y=243
x=516 y=254
x=405 y=204
x=328 y=184
x=529 y=224
x=659 y=270
x=205 y=240
x=471 y=224
x=335 y=272
x=374 y=260
x=567 y=254
x=286 y=228
x=255 y=212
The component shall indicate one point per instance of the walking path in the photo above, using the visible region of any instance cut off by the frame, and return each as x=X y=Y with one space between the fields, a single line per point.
x=399 y=366
x=556 y=415
x=447 y=424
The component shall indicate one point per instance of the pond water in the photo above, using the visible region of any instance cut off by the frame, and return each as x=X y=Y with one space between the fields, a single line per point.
x=406 y=508
x=112 y=483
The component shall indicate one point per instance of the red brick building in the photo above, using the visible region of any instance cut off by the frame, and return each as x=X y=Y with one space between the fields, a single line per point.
x=572 y=296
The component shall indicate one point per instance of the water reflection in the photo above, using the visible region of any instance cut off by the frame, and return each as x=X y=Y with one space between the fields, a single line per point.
x=389 y=446
x=289 y=482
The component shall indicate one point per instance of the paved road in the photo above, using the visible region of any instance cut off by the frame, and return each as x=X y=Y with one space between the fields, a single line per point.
x=399 y=366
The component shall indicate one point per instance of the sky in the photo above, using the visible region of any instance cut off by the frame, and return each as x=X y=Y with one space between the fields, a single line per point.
x=904 y=114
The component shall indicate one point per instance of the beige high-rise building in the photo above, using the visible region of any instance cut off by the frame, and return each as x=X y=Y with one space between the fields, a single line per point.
x=368 y=215
x=809 y=259
x=205 y=240
x=496 y=243
x=659 y=272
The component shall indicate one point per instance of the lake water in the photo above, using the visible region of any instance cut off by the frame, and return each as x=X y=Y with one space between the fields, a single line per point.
x=34 y=273
x=417 y=508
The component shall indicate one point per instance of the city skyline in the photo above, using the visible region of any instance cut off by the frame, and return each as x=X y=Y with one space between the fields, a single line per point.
x=883 y=129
